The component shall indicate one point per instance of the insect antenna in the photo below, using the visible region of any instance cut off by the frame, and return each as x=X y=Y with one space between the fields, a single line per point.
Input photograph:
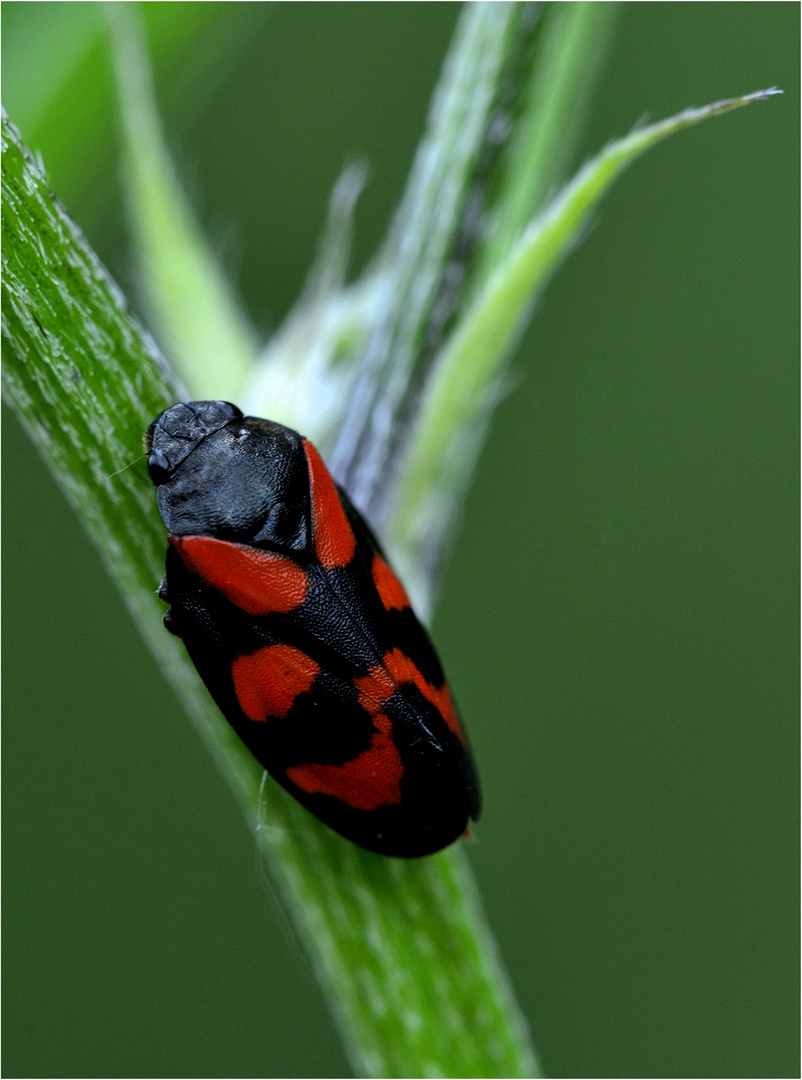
x=125 y=467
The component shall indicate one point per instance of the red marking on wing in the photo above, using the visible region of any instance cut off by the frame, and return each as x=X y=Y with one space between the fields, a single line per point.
x=373 y=778
x=389 y=588
x=334 y=539
x=369 y=781
x=259 y=582
x=268 y=681
x=375 y=688
x=379 y=685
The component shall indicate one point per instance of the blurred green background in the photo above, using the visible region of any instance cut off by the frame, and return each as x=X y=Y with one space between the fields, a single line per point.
x=618 y=619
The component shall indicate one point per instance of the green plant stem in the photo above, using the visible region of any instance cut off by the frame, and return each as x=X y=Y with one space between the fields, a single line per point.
x=401 y=947
x=416 y=254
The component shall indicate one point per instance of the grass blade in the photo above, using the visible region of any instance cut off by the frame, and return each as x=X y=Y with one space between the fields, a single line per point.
x=191 y=304
x=460 y=396
x=570 y=50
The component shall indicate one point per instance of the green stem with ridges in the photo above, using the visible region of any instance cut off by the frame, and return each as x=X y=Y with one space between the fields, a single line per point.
x=400 y=946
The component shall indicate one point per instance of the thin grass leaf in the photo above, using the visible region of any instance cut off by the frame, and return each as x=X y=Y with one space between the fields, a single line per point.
x=400 y=946
x=460 y=397
x=569 y=51
x=192 y=306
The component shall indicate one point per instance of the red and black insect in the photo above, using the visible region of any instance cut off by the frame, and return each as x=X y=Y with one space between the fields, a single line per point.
x=303 y=634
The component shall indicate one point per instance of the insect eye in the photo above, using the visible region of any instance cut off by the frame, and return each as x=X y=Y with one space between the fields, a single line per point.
x=158 y=467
